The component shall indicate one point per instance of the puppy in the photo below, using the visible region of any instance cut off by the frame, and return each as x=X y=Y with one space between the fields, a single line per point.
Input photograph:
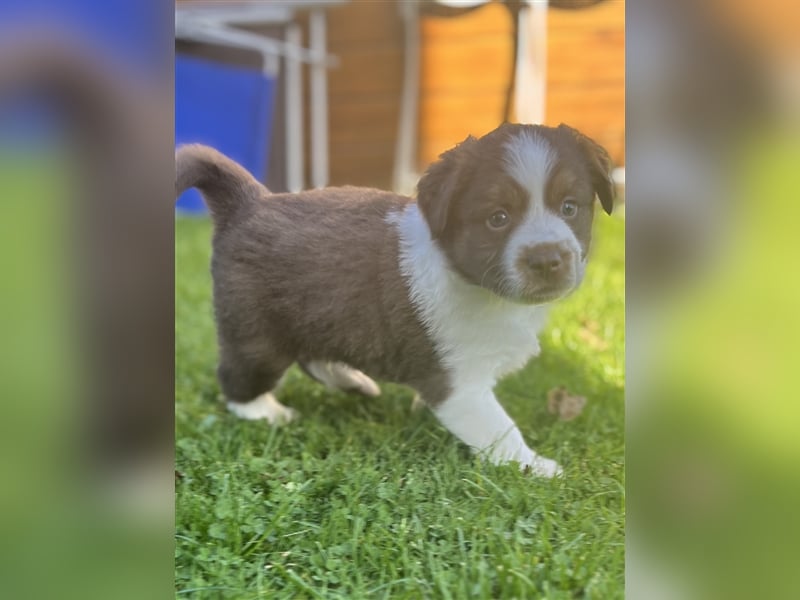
x=445 y=293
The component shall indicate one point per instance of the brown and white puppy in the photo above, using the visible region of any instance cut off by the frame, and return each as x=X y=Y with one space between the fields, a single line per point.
x=445 y=294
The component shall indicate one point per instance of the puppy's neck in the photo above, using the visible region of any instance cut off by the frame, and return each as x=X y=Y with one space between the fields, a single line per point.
x=476 y=332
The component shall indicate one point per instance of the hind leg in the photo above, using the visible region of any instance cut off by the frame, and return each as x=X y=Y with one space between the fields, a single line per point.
x=339 y=376
x=247 y=382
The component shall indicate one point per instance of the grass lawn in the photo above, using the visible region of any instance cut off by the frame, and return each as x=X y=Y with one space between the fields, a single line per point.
x=361 y=498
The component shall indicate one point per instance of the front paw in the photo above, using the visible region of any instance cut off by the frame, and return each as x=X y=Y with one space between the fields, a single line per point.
x=540 y=466
x=528 y=460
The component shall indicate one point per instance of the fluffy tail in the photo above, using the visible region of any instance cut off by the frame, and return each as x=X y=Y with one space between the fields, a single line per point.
x=225 y=184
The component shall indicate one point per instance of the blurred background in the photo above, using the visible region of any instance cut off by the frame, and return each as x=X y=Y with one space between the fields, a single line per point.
x=369 y=93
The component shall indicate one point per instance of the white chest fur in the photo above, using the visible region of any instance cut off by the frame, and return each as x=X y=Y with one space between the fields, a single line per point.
x=478 y=335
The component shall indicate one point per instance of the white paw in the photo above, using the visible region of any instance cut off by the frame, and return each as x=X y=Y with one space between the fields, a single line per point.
x=528 y=460
x=362 y=383
x=264 y=407
x=542 y=467
x=342 y=377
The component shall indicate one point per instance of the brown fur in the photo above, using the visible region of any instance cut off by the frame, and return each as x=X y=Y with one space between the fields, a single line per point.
x=278 y=267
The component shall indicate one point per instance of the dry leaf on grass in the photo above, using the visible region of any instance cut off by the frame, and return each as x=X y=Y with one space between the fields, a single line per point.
x=567 y=406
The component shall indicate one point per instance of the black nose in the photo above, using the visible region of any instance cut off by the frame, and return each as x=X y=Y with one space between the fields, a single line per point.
x=546 y=260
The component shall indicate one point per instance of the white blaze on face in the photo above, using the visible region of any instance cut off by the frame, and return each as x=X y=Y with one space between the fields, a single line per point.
x=529 y=159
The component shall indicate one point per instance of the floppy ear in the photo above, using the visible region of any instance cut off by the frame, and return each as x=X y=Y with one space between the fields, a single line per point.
x=600 y=167
x=439 y=184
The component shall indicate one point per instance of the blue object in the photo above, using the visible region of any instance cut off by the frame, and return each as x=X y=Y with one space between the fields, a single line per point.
x=228 y=108
x=132 y=35
x=133 y=39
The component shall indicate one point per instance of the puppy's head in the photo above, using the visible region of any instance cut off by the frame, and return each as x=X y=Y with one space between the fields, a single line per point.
x=512 y=211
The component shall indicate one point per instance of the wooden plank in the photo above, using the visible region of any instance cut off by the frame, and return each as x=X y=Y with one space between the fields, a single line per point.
x=454 y=111
x=489 y=19
x=466 y=65
x=364 y=91
x=363 y=164
x=362 y=112
x=586 y=73
x=364 y=21
x=363 y=71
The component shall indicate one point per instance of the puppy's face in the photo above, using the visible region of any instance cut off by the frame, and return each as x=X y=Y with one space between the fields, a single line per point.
x=513 y=210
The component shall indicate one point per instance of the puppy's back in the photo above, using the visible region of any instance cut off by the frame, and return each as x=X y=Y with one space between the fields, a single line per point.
x=312 y=242
x=319 y=271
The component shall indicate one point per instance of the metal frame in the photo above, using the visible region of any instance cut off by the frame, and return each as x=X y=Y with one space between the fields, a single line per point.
x=215 y=23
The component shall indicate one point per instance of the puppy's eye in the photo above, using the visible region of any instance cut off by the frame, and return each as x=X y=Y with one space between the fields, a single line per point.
x=569 y=208
x=498 y=220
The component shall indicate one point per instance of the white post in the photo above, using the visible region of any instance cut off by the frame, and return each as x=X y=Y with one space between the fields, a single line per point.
x=530 y=96
x=319 y=100
x=405 y=154
x=294 y=112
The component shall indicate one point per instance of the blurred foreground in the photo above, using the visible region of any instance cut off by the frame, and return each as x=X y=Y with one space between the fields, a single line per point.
x=713 y=418
x=86 y=252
